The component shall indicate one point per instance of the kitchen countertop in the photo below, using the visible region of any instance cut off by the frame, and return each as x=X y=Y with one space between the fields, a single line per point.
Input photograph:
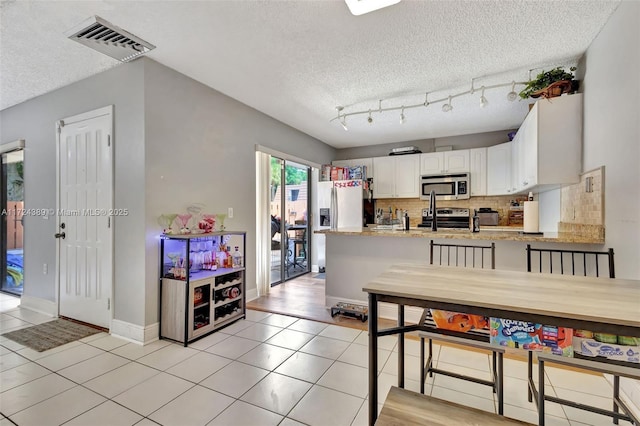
x=504 y=233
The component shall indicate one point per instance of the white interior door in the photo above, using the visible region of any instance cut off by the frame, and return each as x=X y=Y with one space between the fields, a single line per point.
x=85 y=201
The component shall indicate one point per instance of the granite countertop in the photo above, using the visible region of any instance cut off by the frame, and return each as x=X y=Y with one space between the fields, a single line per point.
x=503 y=233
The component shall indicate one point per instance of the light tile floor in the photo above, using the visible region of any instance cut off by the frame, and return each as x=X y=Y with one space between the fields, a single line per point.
x=267 y=370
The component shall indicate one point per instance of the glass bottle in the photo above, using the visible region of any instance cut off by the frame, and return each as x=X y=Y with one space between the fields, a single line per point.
x=237 y=258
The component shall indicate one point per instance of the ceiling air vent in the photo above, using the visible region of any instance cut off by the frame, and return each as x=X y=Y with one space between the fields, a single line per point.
x=106 y=38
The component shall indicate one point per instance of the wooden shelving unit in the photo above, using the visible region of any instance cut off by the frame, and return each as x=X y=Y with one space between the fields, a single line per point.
x=194 y=299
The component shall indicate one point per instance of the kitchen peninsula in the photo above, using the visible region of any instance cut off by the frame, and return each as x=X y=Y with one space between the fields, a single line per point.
x=356 y=256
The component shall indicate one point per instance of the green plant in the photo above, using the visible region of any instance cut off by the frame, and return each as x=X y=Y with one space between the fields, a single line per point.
x=545 y=78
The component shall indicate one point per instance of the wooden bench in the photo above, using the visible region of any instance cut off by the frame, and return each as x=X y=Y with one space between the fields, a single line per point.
x=497 y=382
x=616 y=370
x=406 y=408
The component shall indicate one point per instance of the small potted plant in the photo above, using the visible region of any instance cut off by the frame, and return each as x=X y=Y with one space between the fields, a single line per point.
x=549 y=84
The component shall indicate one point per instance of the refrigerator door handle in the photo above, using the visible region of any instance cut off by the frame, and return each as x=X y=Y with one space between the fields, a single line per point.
x=334 y=209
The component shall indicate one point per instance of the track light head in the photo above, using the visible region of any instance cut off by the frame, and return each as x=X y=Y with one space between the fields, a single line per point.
x=512 y=95
x=483 y=101
x=402 y=117
x=370 y=119
x=343 y=120
x=344 y=123
x=447 y=107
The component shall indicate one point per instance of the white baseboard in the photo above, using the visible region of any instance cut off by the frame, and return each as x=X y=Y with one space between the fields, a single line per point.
x=135 y=333
x=252 y=294
x=39 y=305
x=385 y=310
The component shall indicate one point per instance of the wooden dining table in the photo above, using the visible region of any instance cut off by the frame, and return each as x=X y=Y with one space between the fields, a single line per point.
x=606 y=305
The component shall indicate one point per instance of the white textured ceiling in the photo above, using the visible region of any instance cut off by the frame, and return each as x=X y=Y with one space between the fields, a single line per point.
x=297 y=60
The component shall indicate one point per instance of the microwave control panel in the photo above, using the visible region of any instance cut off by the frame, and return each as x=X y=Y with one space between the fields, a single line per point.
x=462 y=187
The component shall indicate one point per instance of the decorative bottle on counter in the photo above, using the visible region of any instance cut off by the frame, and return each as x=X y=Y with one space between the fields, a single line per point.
x=475 y=222
x=236 y=258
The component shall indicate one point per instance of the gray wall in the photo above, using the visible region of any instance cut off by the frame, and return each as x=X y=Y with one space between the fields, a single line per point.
x=34 y=121
x=478 y=140
x=200 y=148
x=609 y=71
x=176 y=141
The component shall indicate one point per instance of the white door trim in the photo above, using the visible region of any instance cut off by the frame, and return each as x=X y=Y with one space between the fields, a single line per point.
x=58 y=127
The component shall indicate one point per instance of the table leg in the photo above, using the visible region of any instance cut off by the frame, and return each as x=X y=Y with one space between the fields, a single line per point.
x=373 y=359
x=401 y=347
x=616 y=395
x=540 y=392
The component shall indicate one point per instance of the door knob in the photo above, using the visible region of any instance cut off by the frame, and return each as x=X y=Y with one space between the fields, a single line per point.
x=60 y=235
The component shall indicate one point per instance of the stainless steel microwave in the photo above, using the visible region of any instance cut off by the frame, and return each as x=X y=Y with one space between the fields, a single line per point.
x=447 y=187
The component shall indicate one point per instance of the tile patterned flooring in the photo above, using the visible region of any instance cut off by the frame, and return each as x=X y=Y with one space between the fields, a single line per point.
x=267 y=370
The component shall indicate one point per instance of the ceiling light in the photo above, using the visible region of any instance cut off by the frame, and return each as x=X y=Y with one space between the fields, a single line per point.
x=483 y=101
x=343 y=120
x=447 y=107
x=446 y=101
x=512 y=95
x=344 y=123
x=360 y=7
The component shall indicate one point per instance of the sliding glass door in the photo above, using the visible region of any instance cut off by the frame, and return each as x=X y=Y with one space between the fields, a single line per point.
x=11 y=224
x=290 y=203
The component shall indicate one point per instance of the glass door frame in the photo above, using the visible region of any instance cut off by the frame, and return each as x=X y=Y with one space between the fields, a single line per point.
x=287 y=258
x=7 y=215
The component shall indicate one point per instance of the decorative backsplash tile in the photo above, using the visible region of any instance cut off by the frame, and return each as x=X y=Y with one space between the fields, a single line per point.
x=414 y=206
x=578 y=206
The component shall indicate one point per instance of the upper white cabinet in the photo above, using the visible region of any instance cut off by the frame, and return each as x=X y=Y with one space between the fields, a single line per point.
x=478 y=171
x=499 y=169
x=550 y=144
x=396 y=176
x=516 y=167
x=368 y=162
x=434 y=163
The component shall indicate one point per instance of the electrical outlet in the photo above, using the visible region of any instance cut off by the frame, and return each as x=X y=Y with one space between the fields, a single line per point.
x=230 y=213
x=45 y=268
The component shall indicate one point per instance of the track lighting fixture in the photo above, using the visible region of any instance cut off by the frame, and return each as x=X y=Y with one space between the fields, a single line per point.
x=447 y=107
x=483 y=100
x=512 y=95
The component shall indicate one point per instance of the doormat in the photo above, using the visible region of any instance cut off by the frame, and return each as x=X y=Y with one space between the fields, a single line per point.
x=320 y=276
x=50 y=334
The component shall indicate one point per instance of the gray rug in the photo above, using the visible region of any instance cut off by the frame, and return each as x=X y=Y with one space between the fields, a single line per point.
x=51 y=334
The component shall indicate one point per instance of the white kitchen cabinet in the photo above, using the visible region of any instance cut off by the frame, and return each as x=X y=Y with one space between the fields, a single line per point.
x=434 y=163
x=396 y=176
x=478 y=171
x=516 y=167
x=550 y=144
x=367 y=162
x=499 y=169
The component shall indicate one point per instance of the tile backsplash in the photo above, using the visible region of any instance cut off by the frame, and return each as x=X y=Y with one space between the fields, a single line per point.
x=580 y=211
x=581 y=207
x=414 y=206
